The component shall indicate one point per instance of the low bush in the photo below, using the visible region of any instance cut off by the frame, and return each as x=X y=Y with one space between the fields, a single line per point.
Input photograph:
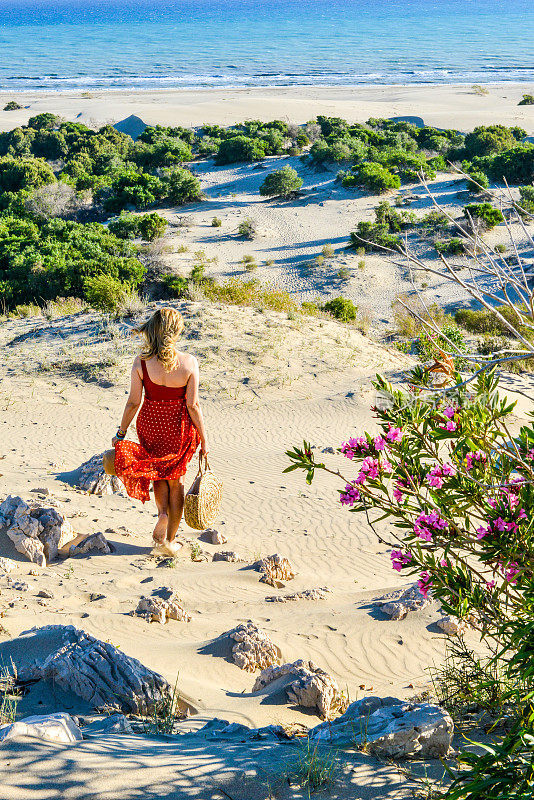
x=281 y=183
x=147 y=226
x=12 y=106
x=526 y=198
x=240 y=148
x=341 y=308
x=485 y=213
x=483 y=321
x=450 y=247
x=478 y=181
x=247 y=228
x=216 y=222
x=373 y=177
x=372 y=236
x=527 y=100
x=105 y=293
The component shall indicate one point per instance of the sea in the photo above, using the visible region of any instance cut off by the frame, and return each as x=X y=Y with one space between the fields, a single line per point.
x=149 y=44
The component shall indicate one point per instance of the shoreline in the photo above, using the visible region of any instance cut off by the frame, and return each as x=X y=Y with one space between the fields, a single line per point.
x=442 y=105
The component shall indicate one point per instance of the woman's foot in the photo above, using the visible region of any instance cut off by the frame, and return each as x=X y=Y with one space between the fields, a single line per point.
x=158 y=535
x=171 y=548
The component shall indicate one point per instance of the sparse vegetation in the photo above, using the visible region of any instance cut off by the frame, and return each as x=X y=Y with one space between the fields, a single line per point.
x=247 y=228
x=312 y=767
x=216 y=222
x=12 y=106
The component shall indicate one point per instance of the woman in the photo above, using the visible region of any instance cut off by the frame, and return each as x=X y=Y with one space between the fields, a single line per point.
x=169 y=425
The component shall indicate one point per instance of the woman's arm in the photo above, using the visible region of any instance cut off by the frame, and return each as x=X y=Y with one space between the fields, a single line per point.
x=193 y=406
x=134 y=399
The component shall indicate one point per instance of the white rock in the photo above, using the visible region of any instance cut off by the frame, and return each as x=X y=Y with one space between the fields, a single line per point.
x=27 y=546
x=275 y=569
x=36 y=530
x=7 y=565
x=58 y=727
x=399 y=604
x=313 y=687
x=156 y=609
x=96 y=671
x=215 y=537
x=453 y=626
x=227 y=555
x=96 y=541
x=390 y=728
x=93 y=479
x=253 y=649
x=306 y=594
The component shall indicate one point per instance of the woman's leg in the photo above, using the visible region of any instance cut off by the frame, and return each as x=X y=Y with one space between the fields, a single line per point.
x=161 y=496
x=176 y=506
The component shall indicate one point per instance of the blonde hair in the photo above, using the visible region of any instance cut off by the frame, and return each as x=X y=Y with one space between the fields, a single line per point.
x=160 y=333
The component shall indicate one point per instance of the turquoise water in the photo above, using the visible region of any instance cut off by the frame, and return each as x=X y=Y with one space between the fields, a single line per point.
x=67 y=44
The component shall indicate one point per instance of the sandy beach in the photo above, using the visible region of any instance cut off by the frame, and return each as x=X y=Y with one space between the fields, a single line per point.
x=439 y=105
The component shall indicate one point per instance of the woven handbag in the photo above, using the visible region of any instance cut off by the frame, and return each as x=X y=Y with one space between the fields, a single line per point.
x=108 y=460
x=203 y=500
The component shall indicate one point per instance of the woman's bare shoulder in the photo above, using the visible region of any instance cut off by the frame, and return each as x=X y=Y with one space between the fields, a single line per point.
x=188 y=361
x=137 y=364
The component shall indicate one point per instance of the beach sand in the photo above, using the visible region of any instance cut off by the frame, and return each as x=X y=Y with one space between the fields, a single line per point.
x=440 y=105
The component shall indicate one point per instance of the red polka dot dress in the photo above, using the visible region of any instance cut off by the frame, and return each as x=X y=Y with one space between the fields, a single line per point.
x=167 y=440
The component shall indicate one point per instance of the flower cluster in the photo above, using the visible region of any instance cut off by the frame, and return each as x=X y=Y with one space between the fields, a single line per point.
x=476 y=458
x=449 y=423
x=427 y=524
x=350 y=496
x=438 y=472
x=394 y=434
x=400 y=559
x=355 y=447
x=424 y=584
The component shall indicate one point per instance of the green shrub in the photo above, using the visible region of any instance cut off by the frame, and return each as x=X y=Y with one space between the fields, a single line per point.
x=240 y=148
x=12 y=106
x=528 y=100
x=216 y=222
x=372 y=236
x=341 y=308
x=247 y=228
x=148 y=226
x=151 y=226
x=21 y=174
x=125 y=226
x=177 y=286
x=181 y=186
x=484 y=321
x=328 y=251
x=484 y=212
x=450 y=247
x=526 y=198
x=478 y=179
x=281 y=183
x=105 y=292
x=500 y=248
x=492 y=139
x=373 y=177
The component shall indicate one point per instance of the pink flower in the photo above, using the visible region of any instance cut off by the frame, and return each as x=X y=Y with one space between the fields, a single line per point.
x=350 y=496
x=400 y=559
x=481 y=532
x=499 y=524
x=477 y=457
x=354 y=447
x=397 y=494
x=449 y=412
x=424 y=583
x=394 y=434
x=450 y=426
x=511 y=572
x=427 y=524
x=443 y=562
x=448 y=469
x=490 y=585
x=379 y=443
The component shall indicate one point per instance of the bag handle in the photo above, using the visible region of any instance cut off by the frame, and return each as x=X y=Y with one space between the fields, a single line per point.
x=203 y=461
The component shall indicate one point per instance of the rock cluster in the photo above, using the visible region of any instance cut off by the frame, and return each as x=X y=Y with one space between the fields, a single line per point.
x=275 y=570
x=36 y=530
x=313 y=687
x=214 y=537
x=157 y=609
x=253 y=649
x=58 y=727
x=390 y=728
x=92 y=478
x=306 y=594
x=398 y=605
x=96 y=671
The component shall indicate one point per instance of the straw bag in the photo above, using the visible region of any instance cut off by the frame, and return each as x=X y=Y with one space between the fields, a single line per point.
x=203 y=500
x=108 y=460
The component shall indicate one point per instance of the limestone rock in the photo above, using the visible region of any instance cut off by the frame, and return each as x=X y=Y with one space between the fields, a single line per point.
x=7 y=565
x=116 y=723
x=58 y=727
x=215 y=537
x=156 y=609
x=390 y=728
x=46 y=593
x=96 y=671
x=36 y=530
x=453 y=626
x=274 y=570
x=253 y=649
x=399 y=604
x=313 y=687
x=306 y=594
x=227 y=555
x=92 y=478
x=96 y=541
